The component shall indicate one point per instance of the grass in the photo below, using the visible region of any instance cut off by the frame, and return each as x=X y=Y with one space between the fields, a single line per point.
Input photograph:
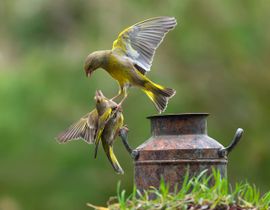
x=196 y=193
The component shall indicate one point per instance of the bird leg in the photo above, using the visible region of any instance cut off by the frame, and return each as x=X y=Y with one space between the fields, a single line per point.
x=120 y=103
x=115 y=97
x=120 y=92
x=123 y=91
x=123 y=135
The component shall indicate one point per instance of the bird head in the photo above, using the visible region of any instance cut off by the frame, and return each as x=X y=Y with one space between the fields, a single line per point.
x=93 y=62
x=101 y=102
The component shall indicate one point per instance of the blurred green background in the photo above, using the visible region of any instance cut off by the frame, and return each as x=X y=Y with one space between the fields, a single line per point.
x=217 y=59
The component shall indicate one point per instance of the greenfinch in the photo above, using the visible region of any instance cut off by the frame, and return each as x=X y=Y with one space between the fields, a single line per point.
x=131 y=58
x=104 y=109
x=110 y=121
x=108 y=137
x=104 y=122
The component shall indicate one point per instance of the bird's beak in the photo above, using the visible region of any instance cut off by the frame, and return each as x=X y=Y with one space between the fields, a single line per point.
x=98 y=96
x=88 y=73
x=97 y=93
x=100 y=93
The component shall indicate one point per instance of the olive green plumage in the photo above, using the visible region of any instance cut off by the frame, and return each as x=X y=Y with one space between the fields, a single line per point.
x=131 y=58
x=103 y=123
x=127 y=62
x=110 y=122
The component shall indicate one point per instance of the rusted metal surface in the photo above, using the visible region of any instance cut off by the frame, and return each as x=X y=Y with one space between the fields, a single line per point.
x=178 y=143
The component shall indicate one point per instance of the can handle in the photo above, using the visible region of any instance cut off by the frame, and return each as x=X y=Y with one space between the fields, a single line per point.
x=237 y=136
x=123 y=133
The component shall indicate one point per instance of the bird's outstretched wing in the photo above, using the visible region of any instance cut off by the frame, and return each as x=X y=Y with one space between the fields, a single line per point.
x=140 y=41
x=84 y=129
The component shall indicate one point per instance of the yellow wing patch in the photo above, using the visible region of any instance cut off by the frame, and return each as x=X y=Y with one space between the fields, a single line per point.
x=140 y=41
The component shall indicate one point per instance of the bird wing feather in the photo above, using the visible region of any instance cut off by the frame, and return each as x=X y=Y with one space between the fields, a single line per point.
x=140 y=41
x=84 y=129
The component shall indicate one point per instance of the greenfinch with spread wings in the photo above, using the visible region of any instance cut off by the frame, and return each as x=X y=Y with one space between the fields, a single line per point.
x=90 y=126
x=131 y=58
x=103 y=123
x=109 y=135
x=105 y=109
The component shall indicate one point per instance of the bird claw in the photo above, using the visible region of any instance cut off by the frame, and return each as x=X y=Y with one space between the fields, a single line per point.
x=118 y=107
x=125 y=128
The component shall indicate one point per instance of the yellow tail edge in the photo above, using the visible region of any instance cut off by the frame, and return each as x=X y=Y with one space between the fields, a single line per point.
x=159 y=95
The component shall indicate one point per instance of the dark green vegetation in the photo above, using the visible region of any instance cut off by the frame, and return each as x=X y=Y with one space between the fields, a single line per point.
x=196 y=193
x=217 y=59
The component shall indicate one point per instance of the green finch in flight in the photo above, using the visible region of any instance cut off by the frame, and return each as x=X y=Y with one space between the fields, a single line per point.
x=104 y=122
x=109 y=134
x=131 y=58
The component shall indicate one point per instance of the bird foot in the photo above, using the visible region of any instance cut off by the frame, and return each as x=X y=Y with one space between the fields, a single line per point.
x=125 y=127
x=118 y=107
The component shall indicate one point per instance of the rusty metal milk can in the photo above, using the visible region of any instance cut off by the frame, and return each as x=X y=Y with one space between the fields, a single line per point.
x=179 y=142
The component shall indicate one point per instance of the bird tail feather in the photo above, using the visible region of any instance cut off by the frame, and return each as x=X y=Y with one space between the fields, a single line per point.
x=112 y=158
x=159 y=95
